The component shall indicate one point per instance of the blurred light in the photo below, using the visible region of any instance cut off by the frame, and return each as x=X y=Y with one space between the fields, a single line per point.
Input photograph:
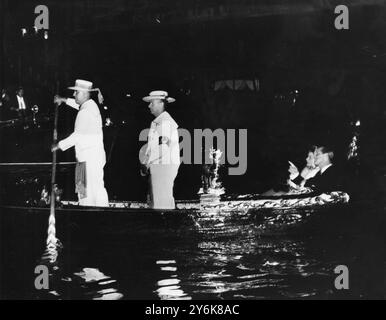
x=108 y=122
x=105 y=107
x=165 y=261
x=128 y=95
x=358 y=123
x=158 y=20
x=35 y=109
x=36 y=29
x=23 y=31
x=353 y=148
x=46 y=35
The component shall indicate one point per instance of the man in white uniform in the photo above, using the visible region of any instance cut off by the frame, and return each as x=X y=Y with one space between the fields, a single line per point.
x=162 y=154
x=88 y=141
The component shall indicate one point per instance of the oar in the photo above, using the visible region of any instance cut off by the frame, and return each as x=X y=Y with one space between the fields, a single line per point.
x=51 y=238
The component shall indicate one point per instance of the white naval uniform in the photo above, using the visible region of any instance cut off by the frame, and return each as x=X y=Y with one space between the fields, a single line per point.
x=163 y=161
x=88 y=141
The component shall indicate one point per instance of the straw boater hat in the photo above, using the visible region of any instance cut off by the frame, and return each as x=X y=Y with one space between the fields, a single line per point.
x=159 y=94
x=84 y=85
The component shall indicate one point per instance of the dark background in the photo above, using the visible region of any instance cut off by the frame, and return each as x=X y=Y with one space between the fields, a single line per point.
x=184 y=47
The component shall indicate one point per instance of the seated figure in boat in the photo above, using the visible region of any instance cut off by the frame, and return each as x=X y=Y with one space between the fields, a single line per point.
x=298 y=180
x=160 y=157
x=328 y=178
x=296 y=183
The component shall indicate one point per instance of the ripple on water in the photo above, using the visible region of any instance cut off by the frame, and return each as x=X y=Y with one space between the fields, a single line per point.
x=241 y=266
x=169 y=288
x=88 y=283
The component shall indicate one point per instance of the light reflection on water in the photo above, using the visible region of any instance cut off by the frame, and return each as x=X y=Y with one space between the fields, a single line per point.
x=238 y=268
x=213 y=265
x=91 y=275
x=88 y=283
x=246 y=268
x=169 y=288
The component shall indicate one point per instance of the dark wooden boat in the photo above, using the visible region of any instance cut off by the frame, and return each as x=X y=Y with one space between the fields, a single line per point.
x=231 y=214
x=227 y=217
x=210 y=215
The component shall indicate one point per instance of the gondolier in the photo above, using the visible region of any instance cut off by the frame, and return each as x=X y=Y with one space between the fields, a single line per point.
x=88 y=141
x=161 y=158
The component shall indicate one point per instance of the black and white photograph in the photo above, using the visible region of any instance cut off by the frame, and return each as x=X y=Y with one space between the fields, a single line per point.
x=206 y=151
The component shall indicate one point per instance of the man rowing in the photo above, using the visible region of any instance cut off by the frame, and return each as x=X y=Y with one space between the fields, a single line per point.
x=89 y=149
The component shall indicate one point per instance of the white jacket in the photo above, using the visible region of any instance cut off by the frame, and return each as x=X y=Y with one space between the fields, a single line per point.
x=88 y=134
x=164 y=153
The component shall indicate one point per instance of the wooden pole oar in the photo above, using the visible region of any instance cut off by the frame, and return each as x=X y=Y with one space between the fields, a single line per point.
x=51 y=239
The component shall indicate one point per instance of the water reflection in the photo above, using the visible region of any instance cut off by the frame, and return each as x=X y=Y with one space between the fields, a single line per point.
x=97 y=279
x=88 y=283
x=242 y=267
x=212 y=265
x=250 y=267
x=169 y=288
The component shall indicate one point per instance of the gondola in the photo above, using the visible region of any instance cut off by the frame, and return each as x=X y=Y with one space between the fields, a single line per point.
x=248 y=213
x=208 y=214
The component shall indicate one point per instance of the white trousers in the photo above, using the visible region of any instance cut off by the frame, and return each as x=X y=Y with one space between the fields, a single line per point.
x=95 y=186
x=161 y=185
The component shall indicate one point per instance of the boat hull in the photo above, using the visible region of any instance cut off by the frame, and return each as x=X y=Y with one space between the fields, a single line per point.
x=130 y=218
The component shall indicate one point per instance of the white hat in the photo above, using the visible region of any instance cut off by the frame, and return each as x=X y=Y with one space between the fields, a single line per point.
x=159 y=94
x=82 y=85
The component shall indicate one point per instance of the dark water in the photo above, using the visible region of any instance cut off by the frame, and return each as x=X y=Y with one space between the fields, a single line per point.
x=198 y=264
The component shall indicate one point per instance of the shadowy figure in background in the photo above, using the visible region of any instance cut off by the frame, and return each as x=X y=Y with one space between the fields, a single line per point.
x=19 y=104
x=4 y=104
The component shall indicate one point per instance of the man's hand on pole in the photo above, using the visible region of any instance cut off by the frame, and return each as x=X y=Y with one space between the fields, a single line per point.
x=59 y=100
x=55 y=147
